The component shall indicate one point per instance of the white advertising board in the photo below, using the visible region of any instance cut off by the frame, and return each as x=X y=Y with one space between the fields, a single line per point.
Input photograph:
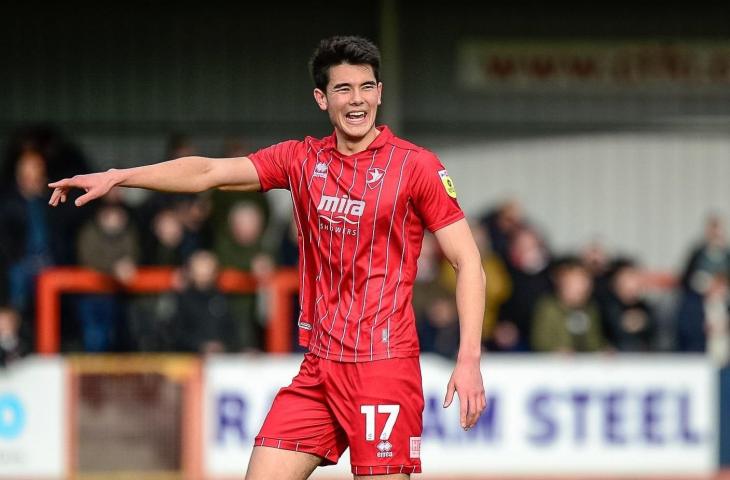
x=637 y=415
x=33 y=419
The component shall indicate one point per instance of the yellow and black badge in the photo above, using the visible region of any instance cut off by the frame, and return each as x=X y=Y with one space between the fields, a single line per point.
x=448 y=183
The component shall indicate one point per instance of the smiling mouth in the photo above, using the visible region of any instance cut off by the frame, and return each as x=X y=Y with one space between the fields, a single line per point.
x=355 y=116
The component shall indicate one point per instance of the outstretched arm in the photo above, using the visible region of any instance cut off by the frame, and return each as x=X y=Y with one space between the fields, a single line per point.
x=184 y=175
x=458 y=245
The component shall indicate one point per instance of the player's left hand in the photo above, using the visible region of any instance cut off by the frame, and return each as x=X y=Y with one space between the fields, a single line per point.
x=466 y=381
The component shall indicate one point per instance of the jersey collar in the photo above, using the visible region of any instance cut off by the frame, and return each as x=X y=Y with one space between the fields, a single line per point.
x=379 y=141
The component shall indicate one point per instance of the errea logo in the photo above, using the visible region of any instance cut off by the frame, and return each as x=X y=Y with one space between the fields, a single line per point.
x=320 y=170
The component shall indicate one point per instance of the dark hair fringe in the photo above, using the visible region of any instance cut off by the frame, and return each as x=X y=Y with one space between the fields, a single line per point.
x=350 y=49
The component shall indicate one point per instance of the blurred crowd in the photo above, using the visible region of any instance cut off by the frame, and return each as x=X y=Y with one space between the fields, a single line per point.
x=537 y=300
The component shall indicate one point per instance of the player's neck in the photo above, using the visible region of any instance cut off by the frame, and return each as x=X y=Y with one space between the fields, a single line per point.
x=350 y=146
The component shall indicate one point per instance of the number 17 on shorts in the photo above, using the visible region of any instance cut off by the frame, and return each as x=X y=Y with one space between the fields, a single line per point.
x=385 y=448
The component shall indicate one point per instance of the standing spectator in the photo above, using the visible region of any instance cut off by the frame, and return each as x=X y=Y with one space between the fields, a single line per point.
x=528 y=264
x=203 y=322
x=25 y=243
x=12 y=345
x=108 y=244
x=705 y=274
x=168 y=233
x=629 y=321
x=58 y=158
x=242 y=248
x=568 y=320
x=502 y=223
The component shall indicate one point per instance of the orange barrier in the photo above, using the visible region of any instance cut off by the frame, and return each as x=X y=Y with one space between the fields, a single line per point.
x=54 y=282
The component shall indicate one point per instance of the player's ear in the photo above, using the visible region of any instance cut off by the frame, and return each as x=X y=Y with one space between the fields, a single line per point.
x=321 y=98
x=380 y=92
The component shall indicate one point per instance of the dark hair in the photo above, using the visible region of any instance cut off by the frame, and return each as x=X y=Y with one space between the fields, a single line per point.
x=337 y=50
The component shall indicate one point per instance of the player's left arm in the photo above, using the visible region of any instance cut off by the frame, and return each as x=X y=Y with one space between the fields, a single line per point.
x=458 y=245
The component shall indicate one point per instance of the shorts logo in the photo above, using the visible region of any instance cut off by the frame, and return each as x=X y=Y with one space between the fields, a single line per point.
x=304 y=325
x=415 y=447
x=448 y=183
x=375 y=175
x=320 y=170
x=385 y=449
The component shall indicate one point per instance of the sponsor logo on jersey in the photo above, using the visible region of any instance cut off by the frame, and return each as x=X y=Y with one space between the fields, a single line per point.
x=335 y=214
x=385 y=449
x=448 y=183
x=304 y=325
x=415 y=447
x=320 y=170
x=375 y=176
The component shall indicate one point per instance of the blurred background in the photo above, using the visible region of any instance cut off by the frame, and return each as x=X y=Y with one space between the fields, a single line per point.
x=142 y=336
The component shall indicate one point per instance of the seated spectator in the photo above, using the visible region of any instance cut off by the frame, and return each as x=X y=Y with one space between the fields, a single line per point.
x=12 y=346
x=203 y=321
x=628 y=320
x=567 y=320
x=705 y=274
x=108 y=244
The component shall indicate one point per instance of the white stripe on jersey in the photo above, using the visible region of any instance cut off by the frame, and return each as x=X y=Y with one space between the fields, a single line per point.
x=319 y=235
x=298 y=220
x=352 y=293
x=400 y=272
x=339 y=283
x=370 y=260
x=320 y=328
x=387 y=256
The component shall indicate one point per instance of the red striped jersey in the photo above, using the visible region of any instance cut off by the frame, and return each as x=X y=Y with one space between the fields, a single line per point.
x=361 y=220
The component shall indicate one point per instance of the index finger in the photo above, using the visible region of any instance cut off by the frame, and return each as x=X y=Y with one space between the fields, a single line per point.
x=59 y=183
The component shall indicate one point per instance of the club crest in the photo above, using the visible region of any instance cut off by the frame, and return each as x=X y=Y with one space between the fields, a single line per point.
x=374 y=176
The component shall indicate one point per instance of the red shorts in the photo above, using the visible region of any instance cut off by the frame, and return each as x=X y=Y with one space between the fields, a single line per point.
x=375 y=408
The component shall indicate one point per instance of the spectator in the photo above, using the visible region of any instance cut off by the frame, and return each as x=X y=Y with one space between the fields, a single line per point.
x=438 y=325
x=629 y=321
x=242 y=248
x=203 y=321
x=594 y=257
x=109 y=244
x=25 y=232
x=194 y=213
x=568 y=320
x=12 y=346
x=168 y=232
x=60 y=158
x=502 y=223
x=704 y=277
x=528 y=265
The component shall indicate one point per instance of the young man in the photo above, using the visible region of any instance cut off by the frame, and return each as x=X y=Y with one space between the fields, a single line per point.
x=362 y=198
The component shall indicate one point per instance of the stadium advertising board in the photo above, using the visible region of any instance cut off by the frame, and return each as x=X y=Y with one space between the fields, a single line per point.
x=32 y=419
x=547 y=415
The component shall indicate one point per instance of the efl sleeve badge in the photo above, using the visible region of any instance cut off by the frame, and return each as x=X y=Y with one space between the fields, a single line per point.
x=448 y=183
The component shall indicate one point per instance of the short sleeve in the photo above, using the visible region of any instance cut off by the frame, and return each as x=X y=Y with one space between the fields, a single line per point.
x=433 y=193
x=272 y=164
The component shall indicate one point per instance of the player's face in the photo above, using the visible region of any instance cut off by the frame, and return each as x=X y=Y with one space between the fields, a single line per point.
x=351 y=100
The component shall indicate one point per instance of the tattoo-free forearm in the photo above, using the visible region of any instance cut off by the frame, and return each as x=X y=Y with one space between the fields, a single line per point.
x=470 y=293
x=184 y=175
